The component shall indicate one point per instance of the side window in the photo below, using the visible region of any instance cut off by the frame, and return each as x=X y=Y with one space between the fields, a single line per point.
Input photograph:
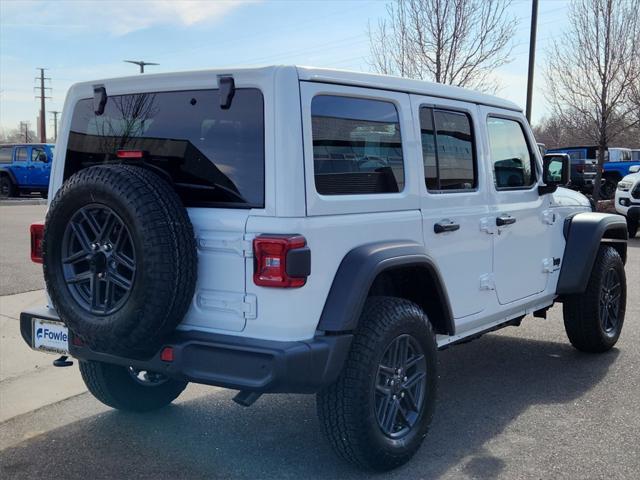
x=513 y=163
x=38 y=155
x=357 y=147
x=21 y=155
x=448 y=151
x=5 y=154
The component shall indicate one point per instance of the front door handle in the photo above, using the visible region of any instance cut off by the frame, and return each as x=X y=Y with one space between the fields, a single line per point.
x=503 y=220
x=446 y=225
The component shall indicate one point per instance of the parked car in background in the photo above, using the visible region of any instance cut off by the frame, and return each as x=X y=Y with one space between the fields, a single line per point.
x=628 y=199
x=620 y=160
x=584 y=166
x=25 y=168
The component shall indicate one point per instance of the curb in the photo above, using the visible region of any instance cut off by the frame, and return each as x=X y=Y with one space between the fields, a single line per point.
x=23 y=201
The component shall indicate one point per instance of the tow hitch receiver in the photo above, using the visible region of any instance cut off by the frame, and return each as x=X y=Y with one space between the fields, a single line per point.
x=246 y=398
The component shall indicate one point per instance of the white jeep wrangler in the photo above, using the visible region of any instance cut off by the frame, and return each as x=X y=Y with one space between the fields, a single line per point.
x=301 y=230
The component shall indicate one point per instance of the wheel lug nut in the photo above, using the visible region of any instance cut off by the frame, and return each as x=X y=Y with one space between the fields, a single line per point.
x=394 y=397
x=101 y=275
x=113 y=264
x=94 y=246
x=402 y=395
x=392 y=382
x=405 y=379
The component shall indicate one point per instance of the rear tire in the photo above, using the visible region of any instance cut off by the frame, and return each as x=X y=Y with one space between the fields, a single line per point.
x=367 y=414
x=117 y=387
x=7 y=188
x=593 y=320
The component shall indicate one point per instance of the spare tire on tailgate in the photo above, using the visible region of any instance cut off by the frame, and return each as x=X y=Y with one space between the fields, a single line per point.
x=120 y=260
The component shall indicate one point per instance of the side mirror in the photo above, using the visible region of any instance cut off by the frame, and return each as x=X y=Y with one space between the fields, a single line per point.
x=556 y=171
x=634 y=169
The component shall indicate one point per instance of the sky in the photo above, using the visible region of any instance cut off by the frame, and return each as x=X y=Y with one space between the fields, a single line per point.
x=80 y=40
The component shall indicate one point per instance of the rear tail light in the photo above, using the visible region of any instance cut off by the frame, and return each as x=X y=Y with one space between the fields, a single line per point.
x=281 y=261
x=124 y=154
x=166 y=355
x=37 y=235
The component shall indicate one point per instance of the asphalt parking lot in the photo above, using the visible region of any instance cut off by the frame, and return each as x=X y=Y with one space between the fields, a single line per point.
x=520 y=403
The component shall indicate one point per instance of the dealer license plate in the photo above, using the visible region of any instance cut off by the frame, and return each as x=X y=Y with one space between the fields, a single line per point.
x=48 y=336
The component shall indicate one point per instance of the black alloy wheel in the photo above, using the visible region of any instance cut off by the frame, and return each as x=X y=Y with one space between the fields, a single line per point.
x=98 y=259
x=610 y=302
x=400 y=386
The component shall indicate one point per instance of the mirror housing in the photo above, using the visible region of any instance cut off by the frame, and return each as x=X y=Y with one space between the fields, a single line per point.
x=634 y=169
x=556 y=171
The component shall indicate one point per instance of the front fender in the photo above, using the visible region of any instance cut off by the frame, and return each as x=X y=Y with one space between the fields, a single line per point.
x=584 y=232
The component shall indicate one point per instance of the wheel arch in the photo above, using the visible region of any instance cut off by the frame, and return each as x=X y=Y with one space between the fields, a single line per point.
x=401 y=269
x=584 y=233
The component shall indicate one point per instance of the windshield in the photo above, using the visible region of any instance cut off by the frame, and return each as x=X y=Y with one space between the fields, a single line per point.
x=213 y=155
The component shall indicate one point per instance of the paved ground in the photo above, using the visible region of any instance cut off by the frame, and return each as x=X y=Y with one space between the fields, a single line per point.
x=17 y=273
x=520 y=403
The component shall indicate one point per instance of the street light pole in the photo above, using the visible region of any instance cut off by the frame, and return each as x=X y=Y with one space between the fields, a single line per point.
x=140 y=63
x=532 y=56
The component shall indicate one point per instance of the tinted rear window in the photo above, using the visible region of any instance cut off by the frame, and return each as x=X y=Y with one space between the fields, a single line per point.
x=213 y=156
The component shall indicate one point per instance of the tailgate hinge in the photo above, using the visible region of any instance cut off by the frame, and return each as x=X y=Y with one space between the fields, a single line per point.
x=250 y=307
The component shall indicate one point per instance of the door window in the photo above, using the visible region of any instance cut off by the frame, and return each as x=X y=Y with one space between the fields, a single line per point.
x=21 y=154
x=357 y=147
x=448 y=151
x=5 y=154
x=38 y=155
x=512 y=159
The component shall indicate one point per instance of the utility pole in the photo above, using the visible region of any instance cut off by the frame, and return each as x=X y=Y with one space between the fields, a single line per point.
x=25 y=124
x=532 y=55
x=140 y=63
x=42 y=97
x=55 y=124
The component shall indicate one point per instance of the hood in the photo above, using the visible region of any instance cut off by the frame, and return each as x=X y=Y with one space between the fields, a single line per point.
x=632 y=178
x=564 y=197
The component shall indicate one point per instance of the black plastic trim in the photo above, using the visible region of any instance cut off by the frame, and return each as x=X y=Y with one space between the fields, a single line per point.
x=229 y=361
x=10 y=174
x=633 y=213
x=584 y=233
x=356 y=274
x=299 y=262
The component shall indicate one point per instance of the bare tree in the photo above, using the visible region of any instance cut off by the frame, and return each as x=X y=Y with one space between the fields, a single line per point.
x=593 y=70
x=457 y=42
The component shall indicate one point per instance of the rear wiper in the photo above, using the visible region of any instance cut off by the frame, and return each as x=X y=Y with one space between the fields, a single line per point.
x=214 y=186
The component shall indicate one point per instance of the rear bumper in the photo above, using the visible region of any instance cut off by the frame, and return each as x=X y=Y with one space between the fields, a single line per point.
x=240 y=363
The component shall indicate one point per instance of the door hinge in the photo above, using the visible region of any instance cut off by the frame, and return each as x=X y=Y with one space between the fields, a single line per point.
x=487 y=282
x=488 y=225
x=548 y=217
x=550 y=265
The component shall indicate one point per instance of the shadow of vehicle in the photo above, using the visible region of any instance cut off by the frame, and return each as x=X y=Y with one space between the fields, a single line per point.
x=484 y=386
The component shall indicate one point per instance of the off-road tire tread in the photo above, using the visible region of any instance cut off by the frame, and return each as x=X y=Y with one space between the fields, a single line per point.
x=338 y=403
x=580 y=311
x=113 y=386
x=170 y=255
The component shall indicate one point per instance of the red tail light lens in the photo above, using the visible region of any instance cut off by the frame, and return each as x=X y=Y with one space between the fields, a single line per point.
x=130 y=154
x=270 y=267
x=166 y=355
x=37 y=235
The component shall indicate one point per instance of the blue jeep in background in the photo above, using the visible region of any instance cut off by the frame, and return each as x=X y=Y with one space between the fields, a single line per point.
x=25 y=168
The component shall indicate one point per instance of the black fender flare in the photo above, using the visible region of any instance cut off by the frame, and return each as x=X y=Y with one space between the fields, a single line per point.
x=9 y=173
x=356 y=273
x=584 y=232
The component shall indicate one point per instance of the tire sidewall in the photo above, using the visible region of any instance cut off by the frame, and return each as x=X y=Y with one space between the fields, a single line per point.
x=413 y=324
x=612 y=261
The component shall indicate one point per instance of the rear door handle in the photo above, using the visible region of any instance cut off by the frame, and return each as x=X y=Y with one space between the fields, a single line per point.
x=446 y=225
x=503 y=220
